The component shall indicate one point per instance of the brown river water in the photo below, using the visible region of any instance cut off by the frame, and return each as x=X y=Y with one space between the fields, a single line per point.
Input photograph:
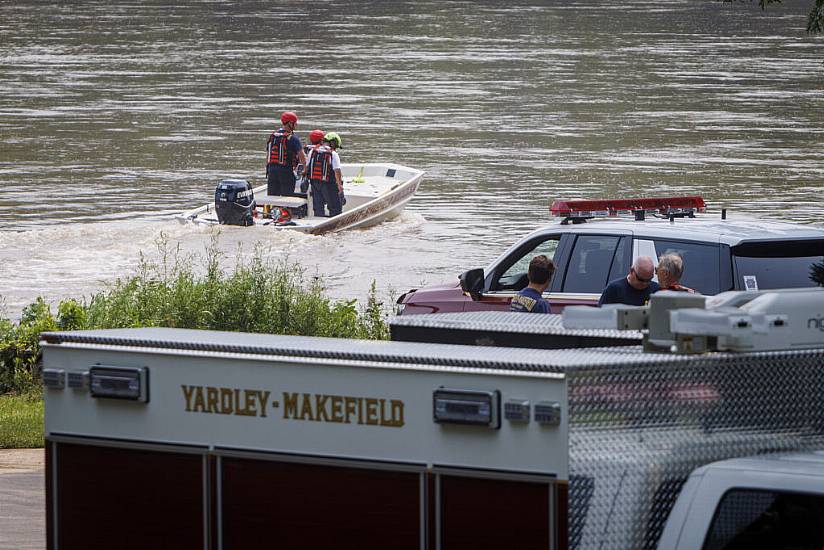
x=115 y=117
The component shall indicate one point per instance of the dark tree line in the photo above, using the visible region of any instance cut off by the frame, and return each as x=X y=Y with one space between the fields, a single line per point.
x=815 y=20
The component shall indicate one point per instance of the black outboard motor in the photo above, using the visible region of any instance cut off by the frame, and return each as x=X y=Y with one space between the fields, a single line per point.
x=235 y=202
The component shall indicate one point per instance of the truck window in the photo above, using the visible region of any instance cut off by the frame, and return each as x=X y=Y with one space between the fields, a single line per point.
x=779 y=264
x=700 y=263
x=515 y=277
x=760 y=520
x=590 y=263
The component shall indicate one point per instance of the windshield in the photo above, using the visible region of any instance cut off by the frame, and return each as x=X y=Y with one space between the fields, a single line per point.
x=779 y=265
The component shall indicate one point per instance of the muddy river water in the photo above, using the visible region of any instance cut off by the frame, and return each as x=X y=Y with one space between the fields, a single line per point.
x=114 y=117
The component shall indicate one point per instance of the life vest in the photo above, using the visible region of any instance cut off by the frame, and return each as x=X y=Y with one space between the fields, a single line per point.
x=320 y=163
x=278 y=151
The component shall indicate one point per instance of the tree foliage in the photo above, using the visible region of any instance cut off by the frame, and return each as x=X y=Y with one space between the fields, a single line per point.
x=815 y=20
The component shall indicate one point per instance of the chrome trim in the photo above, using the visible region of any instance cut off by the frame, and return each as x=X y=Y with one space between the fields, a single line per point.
x=503 y=475
x=422 y=509
x=206 y=502
x=127 y=444
x=315 y=460
x=54 y=486
x=219 y=500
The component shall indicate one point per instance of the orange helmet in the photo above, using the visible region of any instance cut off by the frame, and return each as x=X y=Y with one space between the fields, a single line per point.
x=289 y=116
x=316 y=136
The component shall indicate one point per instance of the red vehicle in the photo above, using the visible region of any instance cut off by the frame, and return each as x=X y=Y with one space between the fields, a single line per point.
x=595 y=241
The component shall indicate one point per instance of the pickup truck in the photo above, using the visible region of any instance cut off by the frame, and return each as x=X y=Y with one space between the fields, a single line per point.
x=591 y=244
x=769 y=501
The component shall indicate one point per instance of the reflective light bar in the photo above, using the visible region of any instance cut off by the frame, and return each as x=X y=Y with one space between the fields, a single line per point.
x=615 y=207
x=54 y=378
x=78 y=380
x=478 y=408
x=130 y=383
x=516 y=410
x=548 y=413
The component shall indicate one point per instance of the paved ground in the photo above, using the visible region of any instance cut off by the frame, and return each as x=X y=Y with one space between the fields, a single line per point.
x=22 y=499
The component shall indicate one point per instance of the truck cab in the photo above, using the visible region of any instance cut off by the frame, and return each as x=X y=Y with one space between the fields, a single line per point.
x=595 y=242
x=770 y=501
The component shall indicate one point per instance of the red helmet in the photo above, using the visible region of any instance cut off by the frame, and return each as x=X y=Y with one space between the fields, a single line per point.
x=289 y=116
x=316 y=136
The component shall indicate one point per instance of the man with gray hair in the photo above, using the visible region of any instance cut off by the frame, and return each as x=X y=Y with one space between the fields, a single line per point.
x=669 y=270
x=635 y=288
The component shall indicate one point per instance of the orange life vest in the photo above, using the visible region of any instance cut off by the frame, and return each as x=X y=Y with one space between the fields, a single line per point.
x=278 y=150
x=320 y=163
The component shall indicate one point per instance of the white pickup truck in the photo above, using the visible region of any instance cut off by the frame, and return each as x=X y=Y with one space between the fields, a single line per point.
x=165 y=438
x=774 y=502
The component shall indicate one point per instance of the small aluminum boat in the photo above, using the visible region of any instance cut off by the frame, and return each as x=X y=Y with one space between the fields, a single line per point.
x=374 y=192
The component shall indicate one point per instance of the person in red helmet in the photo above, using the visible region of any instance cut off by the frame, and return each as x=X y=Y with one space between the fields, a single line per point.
x=283 y=153
x=315 y=137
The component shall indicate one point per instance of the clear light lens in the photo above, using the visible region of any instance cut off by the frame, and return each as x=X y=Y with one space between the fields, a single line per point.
x=119 y=383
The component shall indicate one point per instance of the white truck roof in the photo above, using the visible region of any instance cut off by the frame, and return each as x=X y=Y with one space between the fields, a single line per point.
x=702 y=228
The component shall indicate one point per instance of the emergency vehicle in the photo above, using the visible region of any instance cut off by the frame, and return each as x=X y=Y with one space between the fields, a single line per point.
x=171 y=438
x=595 y=241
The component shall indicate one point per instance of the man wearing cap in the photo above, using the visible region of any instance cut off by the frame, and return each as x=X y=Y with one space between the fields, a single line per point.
x=283 y=154
x=635 y=288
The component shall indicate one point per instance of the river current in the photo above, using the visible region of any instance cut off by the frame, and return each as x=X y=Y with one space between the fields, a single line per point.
x=114 y=117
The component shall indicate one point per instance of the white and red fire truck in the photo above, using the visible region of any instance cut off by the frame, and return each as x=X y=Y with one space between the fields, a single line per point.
x=164 y=438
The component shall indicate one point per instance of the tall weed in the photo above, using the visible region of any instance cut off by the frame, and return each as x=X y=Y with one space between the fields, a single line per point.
x=192 y=291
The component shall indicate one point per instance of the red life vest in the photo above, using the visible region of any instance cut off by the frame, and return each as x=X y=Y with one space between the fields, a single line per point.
x=278 y=150
x=320 y=163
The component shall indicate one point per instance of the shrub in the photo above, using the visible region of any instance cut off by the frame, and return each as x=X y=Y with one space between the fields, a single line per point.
x=258 y=295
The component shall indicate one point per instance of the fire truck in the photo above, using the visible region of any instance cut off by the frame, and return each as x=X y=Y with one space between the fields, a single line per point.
x=703 y=432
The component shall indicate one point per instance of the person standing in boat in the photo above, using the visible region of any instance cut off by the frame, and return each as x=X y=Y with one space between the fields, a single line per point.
x=332 y=187
x=315 y=139
x=319 y=170
x=283 y=153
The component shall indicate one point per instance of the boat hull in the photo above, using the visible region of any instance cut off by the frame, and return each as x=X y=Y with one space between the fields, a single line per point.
x=388 y=204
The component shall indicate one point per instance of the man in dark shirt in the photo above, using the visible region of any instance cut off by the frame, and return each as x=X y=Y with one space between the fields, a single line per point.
x=530 y=299
x=635 y=288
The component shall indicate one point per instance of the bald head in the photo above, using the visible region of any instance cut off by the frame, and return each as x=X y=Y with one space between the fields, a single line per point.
x=644 y=267
x=641 y=273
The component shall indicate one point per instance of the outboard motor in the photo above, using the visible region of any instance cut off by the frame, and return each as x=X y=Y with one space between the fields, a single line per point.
x=235 y=202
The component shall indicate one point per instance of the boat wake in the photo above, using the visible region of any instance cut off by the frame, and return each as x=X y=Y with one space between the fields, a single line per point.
x=78 y=260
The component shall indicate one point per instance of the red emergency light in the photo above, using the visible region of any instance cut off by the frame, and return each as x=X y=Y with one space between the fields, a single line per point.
x=616 y=207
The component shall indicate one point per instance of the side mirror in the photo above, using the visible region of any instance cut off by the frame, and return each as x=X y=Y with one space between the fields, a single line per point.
x=472 y=282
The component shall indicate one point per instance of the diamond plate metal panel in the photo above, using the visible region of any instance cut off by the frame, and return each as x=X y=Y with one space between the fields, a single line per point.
x=637 y=431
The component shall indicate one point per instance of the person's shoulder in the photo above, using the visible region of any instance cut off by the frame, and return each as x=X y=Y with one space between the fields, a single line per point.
x=653 y=287
x=617 y=284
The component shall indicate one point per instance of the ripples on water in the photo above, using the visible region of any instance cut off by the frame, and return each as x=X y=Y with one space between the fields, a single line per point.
x=112 y=117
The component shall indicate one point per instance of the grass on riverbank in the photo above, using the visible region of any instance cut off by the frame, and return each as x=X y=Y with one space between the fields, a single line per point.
x=21 y=421
x=258 y=295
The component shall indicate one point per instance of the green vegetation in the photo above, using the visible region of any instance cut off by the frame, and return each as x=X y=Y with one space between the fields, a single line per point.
x=21 y=421
x=258 y=295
